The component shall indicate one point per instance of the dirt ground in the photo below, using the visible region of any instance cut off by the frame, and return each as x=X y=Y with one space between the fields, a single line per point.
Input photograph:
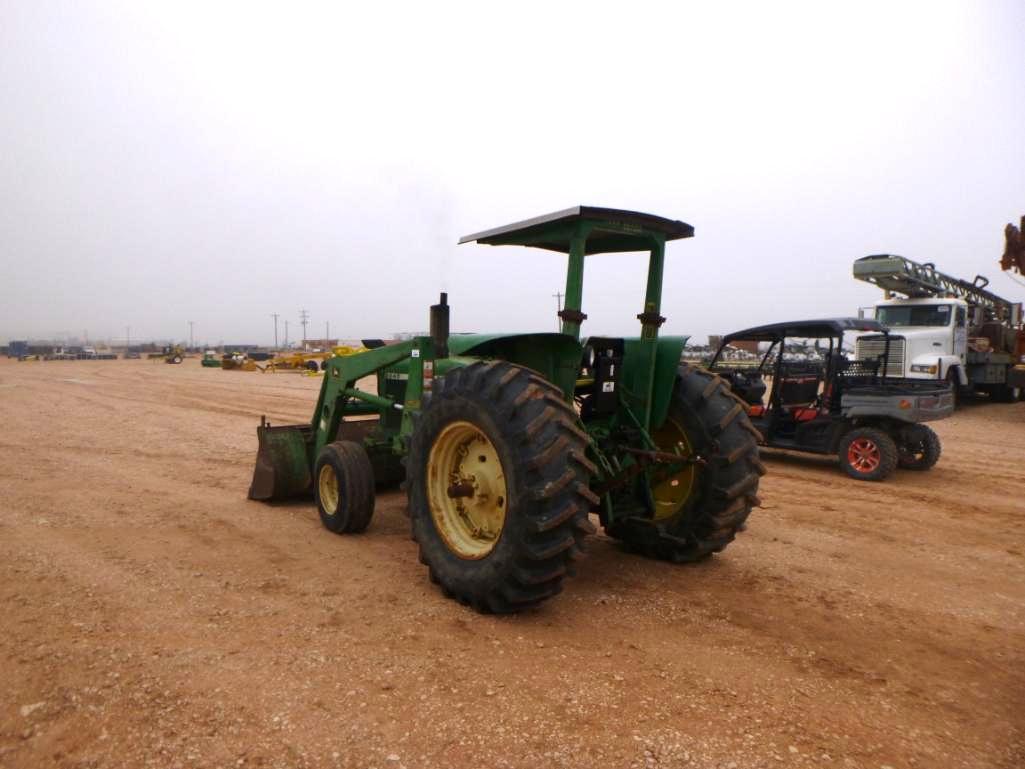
x=153 y=617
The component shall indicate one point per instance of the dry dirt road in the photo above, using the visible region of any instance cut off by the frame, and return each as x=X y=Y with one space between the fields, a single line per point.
x=153 y=617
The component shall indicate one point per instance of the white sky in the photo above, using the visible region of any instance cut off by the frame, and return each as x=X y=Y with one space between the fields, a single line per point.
x=217 y=162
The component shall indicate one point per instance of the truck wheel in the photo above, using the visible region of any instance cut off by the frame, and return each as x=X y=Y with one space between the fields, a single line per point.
x=699 y=510
x=311 y=365
x=343 y=483
x=868 y=454
x=498 y=486
x=919 y=448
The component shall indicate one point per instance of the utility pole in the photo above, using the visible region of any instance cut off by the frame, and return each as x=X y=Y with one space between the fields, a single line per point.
x=190 y=335
x=275 y=316
x=286 y=334
x=327 y=329
x=304 y=318
x=558 y=303
x=128 y=337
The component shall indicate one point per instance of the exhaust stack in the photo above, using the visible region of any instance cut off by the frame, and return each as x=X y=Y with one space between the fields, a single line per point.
x=439 y=326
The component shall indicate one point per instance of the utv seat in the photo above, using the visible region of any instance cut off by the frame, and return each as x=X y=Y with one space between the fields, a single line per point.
x=804 y=413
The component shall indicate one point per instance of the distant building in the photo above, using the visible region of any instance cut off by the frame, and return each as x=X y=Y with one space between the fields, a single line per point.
x=747 y=345
x=321 y=344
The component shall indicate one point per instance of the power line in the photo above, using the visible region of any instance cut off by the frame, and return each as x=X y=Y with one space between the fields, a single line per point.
x=558 y=303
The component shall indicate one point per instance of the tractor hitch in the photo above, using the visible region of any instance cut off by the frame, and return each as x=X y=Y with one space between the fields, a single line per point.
x=646 y=459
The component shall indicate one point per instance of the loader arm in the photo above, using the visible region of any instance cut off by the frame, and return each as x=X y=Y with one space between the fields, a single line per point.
x=339 y=387
x=286 y=453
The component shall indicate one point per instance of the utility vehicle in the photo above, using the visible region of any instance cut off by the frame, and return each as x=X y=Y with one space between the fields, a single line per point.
x=819 y=400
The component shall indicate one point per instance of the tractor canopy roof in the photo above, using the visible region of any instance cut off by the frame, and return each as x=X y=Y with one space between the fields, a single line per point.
x=826 y=327
x=609 y=230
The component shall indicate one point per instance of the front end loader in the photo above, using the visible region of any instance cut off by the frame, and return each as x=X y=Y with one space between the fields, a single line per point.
x=506 y=444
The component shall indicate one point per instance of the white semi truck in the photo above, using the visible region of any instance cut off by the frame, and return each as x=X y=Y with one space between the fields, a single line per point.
x=944 y=328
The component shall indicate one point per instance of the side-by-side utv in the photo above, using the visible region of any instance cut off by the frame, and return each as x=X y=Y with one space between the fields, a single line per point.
x=824 y=402
x=507 y=443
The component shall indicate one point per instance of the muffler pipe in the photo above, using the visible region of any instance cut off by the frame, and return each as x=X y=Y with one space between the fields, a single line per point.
x=439 y=326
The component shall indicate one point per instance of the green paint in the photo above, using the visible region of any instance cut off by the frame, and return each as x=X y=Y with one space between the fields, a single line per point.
x=405 y=372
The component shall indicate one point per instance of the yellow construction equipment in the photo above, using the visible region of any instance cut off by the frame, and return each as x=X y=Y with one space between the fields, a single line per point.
x=309 y=363
x=170 y=354
x=239 y=361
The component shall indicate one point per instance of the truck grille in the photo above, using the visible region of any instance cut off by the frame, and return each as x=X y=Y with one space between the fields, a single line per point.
x=873 y=348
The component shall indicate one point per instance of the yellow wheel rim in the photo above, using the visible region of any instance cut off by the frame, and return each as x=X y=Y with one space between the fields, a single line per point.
x=672 y=493
x=466 y=490
x=327 y=489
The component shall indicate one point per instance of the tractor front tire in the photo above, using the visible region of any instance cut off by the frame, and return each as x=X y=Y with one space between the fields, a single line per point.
x=919 y=448
x=498 y=487
x=724 y=491
x=868 y=454
x=343 y=483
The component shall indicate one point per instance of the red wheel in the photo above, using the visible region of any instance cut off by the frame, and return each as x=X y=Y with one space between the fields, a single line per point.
x=868 y=454
x=863 y=455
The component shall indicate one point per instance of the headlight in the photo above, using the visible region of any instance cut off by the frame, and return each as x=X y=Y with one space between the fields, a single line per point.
x=922 y=368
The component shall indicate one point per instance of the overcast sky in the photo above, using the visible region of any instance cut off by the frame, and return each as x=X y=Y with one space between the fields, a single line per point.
x=217 y=162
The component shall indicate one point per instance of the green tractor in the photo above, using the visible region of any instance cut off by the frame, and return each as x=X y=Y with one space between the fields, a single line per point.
x=506 y=443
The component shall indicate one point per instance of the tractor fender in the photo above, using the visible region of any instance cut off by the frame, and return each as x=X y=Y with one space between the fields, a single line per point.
x=556 y=357
x=667 y=364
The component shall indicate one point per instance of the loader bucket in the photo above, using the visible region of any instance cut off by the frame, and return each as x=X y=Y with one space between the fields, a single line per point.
x=282 y=465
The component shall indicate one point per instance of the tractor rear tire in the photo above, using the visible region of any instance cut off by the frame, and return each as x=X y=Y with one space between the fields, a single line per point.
x=343 y=484
x=716 y=425
x=919 y=448
x=498 y=487
x=868 y=454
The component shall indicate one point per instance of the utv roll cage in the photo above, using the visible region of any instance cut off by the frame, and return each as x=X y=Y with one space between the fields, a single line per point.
x=832 y=329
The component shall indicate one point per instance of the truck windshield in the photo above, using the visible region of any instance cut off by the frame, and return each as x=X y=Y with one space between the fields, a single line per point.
x=914 y=315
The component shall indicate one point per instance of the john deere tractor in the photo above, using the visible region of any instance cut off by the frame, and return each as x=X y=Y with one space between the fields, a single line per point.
x=507 y=443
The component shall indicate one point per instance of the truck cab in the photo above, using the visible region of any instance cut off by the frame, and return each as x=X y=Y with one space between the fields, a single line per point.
x=929 y=338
